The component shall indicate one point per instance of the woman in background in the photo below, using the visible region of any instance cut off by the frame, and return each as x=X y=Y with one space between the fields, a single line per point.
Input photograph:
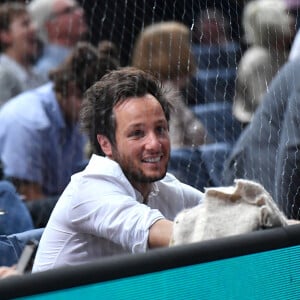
x=269 y=31
x=164 y=49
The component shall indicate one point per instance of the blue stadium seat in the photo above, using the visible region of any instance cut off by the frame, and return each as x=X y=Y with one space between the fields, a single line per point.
x=230 y=55
x=201 y=166
x=219 y=121
x=214 y=156
x=207 y=57
x=14 y=215
x=187 y=165
x=217 y=56
x=214 y=85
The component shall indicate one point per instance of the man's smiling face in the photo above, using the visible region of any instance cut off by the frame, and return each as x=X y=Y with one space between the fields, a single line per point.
x=142 y=139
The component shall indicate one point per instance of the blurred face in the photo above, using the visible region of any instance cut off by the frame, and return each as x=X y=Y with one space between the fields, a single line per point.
x=142 y=141
x=68 y=21
x=71 y=104
x=211 y=32
x=21 y=37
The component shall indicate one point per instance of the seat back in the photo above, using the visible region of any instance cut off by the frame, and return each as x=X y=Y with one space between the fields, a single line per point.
x=14 y=215
x=219 y=121
x=199 y=167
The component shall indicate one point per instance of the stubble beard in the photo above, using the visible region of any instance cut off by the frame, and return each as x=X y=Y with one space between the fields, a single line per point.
x=135 y=175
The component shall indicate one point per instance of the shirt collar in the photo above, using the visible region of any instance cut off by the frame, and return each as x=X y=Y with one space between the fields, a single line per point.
x=153 y=193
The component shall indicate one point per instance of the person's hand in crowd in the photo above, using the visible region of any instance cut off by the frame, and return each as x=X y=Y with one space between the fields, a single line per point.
x=8 y=271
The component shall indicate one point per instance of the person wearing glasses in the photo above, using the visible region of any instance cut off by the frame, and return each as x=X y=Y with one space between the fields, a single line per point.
x=40 y=142
x=61 y=26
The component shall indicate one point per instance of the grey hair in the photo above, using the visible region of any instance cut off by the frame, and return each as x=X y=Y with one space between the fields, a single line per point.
x=264 y=21
x=41 y=11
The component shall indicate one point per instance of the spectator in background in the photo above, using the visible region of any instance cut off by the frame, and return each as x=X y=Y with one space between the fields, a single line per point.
x=211 y=28
x=109 y=48
x=268 y=150
x=61 y=25
x=40 y=143
x=217 y=56
x=164 y=49
x=19 y=48
x=269 y=32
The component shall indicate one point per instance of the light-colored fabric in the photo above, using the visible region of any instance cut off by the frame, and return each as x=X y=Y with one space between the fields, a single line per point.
x=265 y=22
x=15 y=79
x=35 y=142
x=268 y=33
x=295 y=49
x=101 y=214
x=255 y=71
x=227 y=211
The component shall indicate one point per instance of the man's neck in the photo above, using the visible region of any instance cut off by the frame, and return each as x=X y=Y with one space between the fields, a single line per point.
x=144 y=189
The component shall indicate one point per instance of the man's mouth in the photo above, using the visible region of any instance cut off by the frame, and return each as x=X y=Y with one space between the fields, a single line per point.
x=152 y=159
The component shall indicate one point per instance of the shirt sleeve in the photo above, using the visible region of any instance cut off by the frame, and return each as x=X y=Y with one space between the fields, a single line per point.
x=10 y=86
x=113 y=214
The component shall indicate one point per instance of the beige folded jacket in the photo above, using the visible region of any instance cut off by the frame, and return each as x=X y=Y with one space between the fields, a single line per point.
x=227 y=211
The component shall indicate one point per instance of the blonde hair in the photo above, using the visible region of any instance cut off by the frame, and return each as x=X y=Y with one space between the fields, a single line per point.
x=265 y=21
x=165 y=50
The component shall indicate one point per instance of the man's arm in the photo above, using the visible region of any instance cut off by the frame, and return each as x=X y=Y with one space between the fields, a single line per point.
x=160 y=233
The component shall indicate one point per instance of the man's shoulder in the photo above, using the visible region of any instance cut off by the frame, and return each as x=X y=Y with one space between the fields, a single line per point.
x=101 y=177
x=106 y=169
x=26 y=109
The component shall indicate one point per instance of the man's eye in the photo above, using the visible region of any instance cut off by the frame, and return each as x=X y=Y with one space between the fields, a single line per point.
x=137 y=133
x=161 y=130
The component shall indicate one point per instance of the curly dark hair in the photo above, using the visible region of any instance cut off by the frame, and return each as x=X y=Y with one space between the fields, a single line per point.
x=97 y=115
x=84 y=66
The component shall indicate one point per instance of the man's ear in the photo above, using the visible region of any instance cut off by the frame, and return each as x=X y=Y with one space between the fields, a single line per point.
x=105 y=144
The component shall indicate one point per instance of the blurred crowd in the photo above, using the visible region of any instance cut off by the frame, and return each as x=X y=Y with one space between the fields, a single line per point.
x=232 y=71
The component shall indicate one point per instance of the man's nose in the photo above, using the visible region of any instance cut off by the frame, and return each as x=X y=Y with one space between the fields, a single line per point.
x=153 y=141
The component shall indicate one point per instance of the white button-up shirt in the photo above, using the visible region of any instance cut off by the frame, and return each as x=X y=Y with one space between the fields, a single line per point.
x=101 y=214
